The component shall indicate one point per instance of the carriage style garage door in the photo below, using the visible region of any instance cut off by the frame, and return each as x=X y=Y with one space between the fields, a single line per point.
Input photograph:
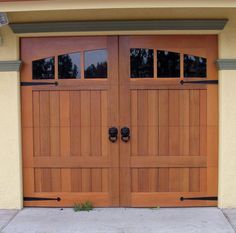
x=106 y=119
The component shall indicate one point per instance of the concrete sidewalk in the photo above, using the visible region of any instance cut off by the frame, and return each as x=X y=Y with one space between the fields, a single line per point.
x=231 y=216
x=120 y=220
x=5 y=217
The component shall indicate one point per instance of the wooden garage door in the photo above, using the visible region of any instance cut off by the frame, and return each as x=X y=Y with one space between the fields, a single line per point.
x=171 y=154
x=66 y=151
x=172 y=151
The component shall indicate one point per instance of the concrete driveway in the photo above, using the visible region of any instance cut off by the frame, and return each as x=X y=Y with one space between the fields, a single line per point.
x=119 y=220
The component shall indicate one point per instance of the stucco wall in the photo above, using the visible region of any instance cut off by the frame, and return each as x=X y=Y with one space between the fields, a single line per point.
x=10 y=156
x=227 y=146
x=227 y=110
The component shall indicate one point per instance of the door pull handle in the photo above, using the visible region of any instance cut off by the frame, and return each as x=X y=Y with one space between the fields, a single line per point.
x=125 y=134
x=113 y=132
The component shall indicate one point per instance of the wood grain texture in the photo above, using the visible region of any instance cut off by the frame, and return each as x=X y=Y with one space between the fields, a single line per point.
x=173 y=149
x=65 y=143
x=170 y=150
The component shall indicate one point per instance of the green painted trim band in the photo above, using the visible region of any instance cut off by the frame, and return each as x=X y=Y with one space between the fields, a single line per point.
x=133 y=25
x=226 y=64
x=6 y=66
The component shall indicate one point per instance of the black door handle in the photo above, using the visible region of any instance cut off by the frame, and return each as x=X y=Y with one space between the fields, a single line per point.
x=125 y=134
x=113 y=132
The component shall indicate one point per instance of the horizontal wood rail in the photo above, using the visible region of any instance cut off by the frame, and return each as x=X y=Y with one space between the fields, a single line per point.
x=156 y=84
x=71 y=162
x=68 y=199
x=169 y=199
x=168 y=161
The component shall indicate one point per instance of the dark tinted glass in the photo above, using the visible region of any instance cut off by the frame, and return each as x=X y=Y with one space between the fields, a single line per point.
x=95 y=64
x=69 y=66
x=195 y=66
x=168 y=64
x=43 y=68
x=141 y=63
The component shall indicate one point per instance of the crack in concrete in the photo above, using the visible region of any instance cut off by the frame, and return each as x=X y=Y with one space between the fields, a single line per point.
x=8 y=222
x=228 y=219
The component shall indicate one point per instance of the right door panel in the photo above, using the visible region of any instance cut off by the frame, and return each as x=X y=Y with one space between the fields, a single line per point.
x=173 y=149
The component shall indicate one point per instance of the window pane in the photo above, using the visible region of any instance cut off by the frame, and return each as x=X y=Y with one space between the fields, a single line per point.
x=95 y=64
x=195 y=66
x=43 y=68
x=69 y=66
x=141 y=63
x=168 y=64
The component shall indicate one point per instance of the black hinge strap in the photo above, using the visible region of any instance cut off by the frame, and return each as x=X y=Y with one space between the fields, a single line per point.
x=42 y=199
x=182 y=82
x=199 y=198
x=38 y=83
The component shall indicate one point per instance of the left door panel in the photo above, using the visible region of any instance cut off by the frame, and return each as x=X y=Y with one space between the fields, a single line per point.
x=65 y=145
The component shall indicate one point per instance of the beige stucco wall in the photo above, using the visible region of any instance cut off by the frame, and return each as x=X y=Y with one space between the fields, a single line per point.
x=10 y=143
x=10 y=149
x=227 y=111
x=227 y=145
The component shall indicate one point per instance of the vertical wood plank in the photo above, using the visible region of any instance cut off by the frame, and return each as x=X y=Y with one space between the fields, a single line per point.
x=65 y=141
x=36 y=141
x=37 y=180
x=113 y=119
x=36 y=108
x=64 y=108
x=184 y=173
x=163 y=107
x=76 y=180
x=194 y=112
x=163 y=122
x=124 y=120
x=105 y=180
x=174 y=180
x=134 y=122
x=184 y=106
x=96 y=180
x=44 y=108
x=27 y=107
x=194 y=180
x=86 y=180
x=45 y=141
x=54 y=123
x=143 y=180
x=104 y=123
x=54 y=141
x=163 y=180
x=54 y=109
x=85 y=123
x=66 y=180
x=173 y=108
x=75 y=141
x=56 y=179
x=134 y=174
x=46 y=179
x=153 y=180
x=96 y=123
x=174 y=124
x=30 y=180
x=75 y=109
x=75 y=122
x=142 y=123
x=152 y=123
